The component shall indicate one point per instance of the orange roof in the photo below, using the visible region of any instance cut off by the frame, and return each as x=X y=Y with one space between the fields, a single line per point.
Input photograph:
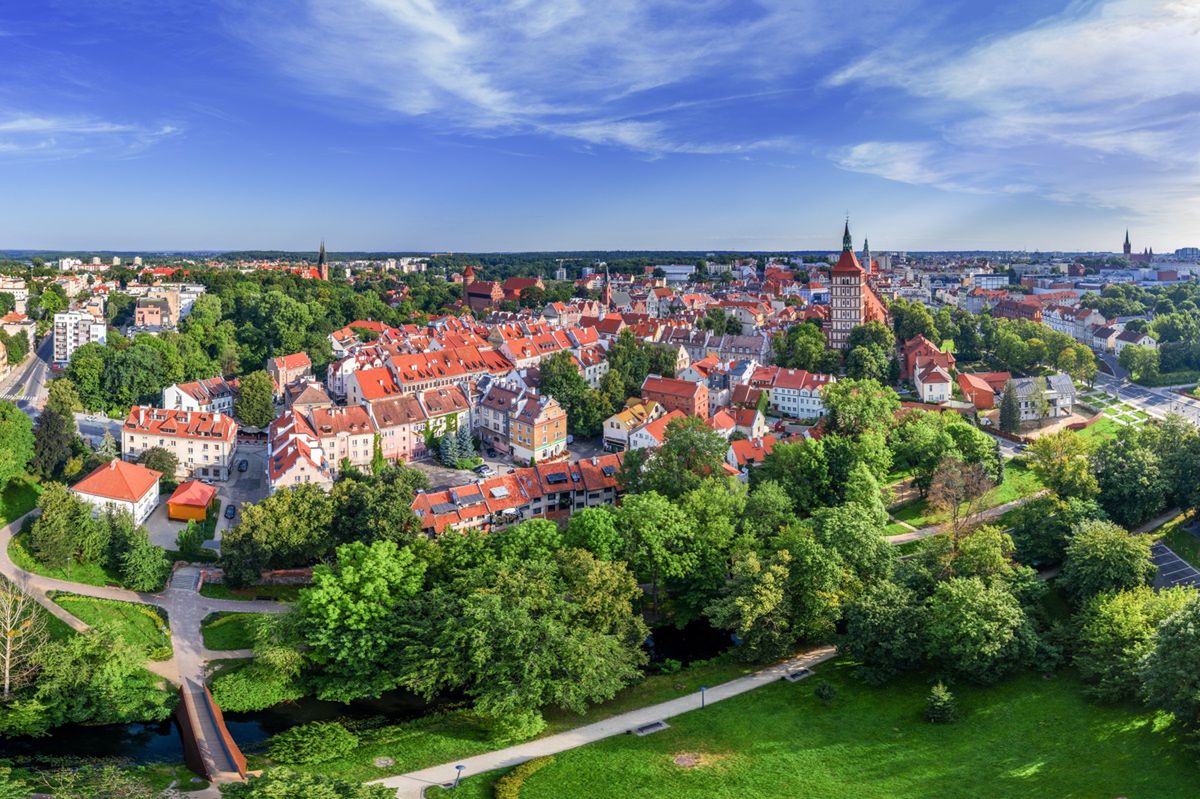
x=127 y=482
x=193 y=493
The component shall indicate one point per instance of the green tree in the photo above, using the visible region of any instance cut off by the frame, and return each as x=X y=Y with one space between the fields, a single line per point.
x=65 y=530
x=883 y=631
x=768 y=510
x=803 y=346
x=52 y=438
x=1061 y=462
x=858 y=406
x=144 y=566
x=853 y=532
x=1118 y=630
x=287 y=529
x=1102 y=557
x=63 y=396
x=255 y=405
x=595 y=529
x=1042 y=526
x=160 y=460
x=86 y=371
x=107 y=451
x=940 y=706
x=16 y=442
x=976 y=631
x=1129 y=474
x=1141 y=361
x=283 y=784
x=801 y=470
x=658 y=538
x=1168 y=673
x=1010 y=409
x=691 y=451
x=344 y=617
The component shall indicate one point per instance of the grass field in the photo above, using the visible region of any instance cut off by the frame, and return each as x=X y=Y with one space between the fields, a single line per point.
x=280 y=593
x=229 y=630
x=441 y=737
x=1025 y=737
x=139 y=625
x=86 y=573
x=18 y=498
x=1019 y=482
x=1181 y=542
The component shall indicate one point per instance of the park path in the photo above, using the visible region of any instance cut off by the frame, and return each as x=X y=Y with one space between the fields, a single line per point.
x=185 y=609
x=982 y=516
x=413 y=784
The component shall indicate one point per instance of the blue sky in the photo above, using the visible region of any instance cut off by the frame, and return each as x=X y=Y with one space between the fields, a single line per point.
x=568 y=124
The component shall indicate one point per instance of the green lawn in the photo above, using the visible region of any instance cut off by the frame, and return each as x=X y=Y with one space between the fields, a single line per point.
x=1018 y=482
x=140 y=625
x=441 y=737
x=1025 y=737
x=18 y=498
x=86 y=573
x=229 y=630
x=280 y=593
x=1181 y=542
x=1101 y=431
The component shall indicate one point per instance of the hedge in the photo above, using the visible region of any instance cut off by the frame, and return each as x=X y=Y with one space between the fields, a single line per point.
x=509 y=786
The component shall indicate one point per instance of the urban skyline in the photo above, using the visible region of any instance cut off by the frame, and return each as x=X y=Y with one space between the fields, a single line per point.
x=395 y=126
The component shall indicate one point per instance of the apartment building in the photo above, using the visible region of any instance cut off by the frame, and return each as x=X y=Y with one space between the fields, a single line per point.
x=538 y=429
x=204 y=443
x=210 y=395
x=73 y=329
x=677 y=395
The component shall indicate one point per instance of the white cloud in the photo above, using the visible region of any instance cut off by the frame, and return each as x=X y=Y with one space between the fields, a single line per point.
x=586 y=71
x=1099 y=105
x=41 y=137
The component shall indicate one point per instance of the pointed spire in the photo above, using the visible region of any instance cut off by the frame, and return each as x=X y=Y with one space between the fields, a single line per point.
x=847 y=243
x=1126 y=237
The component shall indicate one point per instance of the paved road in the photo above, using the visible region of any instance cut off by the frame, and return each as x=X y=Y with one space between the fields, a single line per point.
x=1157 y=402
x=26 y=385
x=413 y=784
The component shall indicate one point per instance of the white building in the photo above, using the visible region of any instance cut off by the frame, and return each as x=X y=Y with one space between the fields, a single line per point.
x=73 y=329
x=121 y=486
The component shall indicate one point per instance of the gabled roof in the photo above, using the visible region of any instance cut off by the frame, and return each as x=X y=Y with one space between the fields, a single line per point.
x=752 y=450
x=193 y=493
x=119 y=480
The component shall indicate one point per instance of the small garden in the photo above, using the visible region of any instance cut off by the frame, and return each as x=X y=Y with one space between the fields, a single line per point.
x=143 y=626
x=229 y=630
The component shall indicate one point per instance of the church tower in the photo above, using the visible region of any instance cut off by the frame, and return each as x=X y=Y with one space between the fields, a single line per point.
x=846 y=287
x=1128 y=246
x=866 y=259
x=606 y=294
x=322 y=266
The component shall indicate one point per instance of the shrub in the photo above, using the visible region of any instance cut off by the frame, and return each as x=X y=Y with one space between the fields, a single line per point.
x=940 y=706
x=669 y=666
x=516 y=726
x=313 y=743
x=825 y=691
x=509 y=786
x=252 y=687
x=190 y=541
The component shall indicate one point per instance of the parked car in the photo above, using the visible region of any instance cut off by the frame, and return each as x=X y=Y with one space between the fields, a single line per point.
x=484 y=470
x=230 y=511
x=243 y=465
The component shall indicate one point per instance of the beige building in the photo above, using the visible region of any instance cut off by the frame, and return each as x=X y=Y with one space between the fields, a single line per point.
x=204 y=443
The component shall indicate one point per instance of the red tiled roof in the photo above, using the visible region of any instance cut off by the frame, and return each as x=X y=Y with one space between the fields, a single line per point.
x=193 y=493
x=752 y=450
x=117 y=479
x=182 y=424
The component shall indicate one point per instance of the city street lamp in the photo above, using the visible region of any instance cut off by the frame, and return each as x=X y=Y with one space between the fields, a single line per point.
x=702 y=690
x=458 y=775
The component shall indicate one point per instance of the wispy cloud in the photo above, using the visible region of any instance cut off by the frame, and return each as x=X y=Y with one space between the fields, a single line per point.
x=40 y=137
x=631 y=74
x=1098 y=105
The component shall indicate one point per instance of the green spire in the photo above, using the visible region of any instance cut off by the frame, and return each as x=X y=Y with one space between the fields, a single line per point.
x=847 y=244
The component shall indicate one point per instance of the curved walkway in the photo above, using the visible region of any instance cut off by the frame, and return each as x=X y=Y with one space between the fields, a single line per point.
x=185 y=609
x=413 y=784
x=936 y=529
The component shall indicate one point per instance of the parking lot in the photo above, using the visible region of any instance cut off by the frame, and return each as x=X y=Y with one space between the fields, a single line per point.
x=1172 y=569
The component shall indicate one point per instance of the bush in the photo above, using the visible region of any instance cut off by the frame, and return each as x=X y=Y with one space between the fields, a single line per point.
x=313 y=743
x=509 y=786
x=252 y=687
x=669 y=666
x=825 y=691
x=190 y=541
x=941 y=706
x=516 y=726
